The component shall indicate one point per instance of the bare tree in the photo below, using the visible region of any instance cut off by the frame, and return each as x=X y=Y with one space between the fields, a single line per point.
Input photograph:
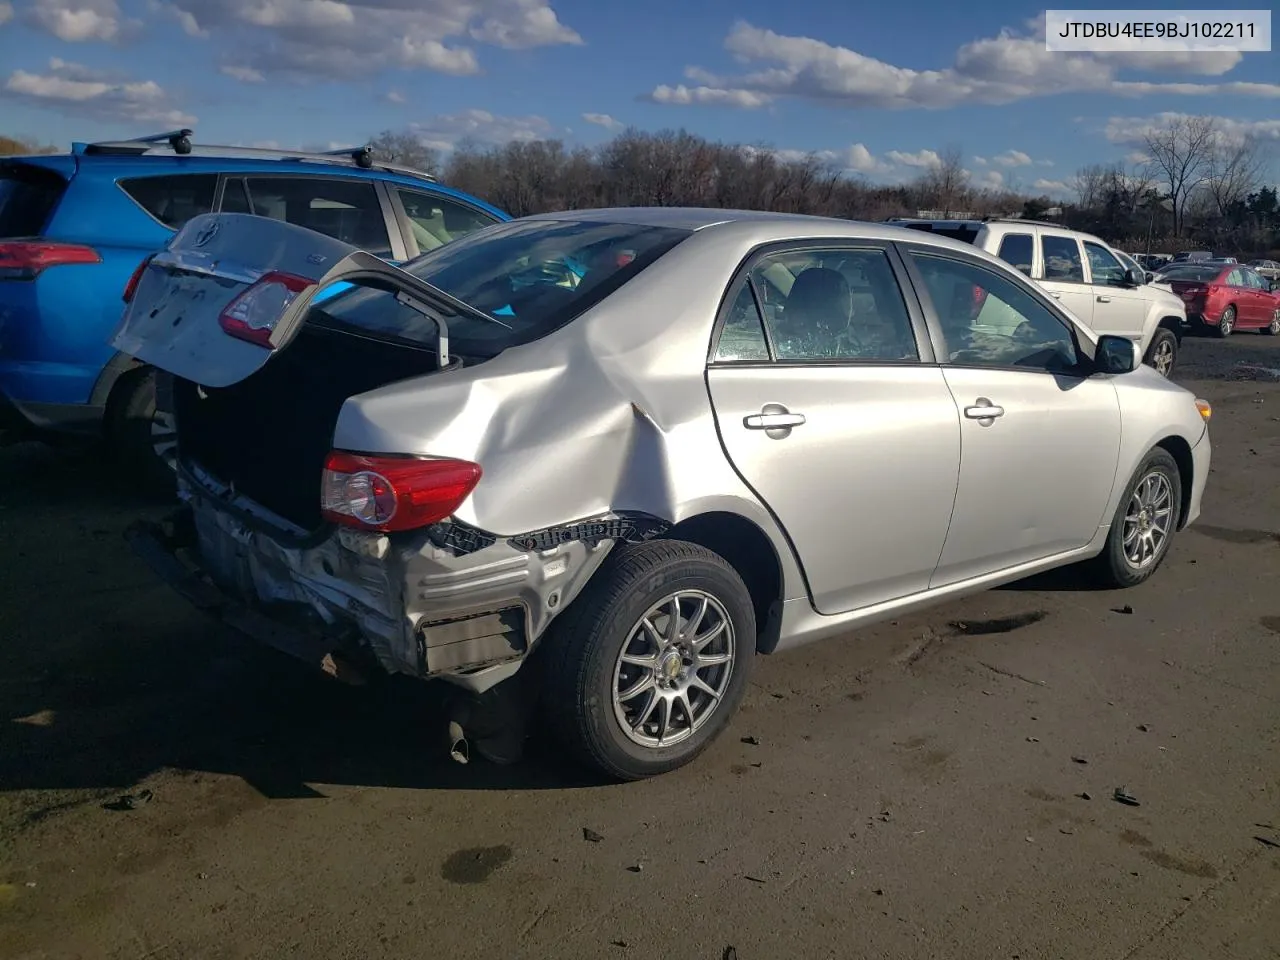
x=1088 y=184
x=405 y=148
x=1235 y=171
x=1181 y=156
x=15 y=146
x=945 y=185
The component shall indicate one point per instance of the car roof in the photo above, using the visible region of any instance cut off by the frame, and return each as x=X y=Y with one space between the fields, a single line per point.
x=761 y=225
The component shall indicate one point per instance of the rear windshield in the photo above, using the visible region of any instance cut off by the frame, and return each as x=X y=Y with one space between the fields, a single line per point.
x=964 y=233
x=27 y=198
x=1199 y=274
x=530 y=276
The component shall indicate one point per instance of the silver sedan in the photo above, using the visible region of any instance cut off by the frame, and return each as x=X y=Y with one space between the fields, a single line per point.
x=588 y=465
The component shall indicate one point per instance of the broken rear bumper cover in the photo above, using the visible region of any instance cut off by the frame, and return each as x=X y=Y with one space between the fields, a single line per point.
x=447 y=602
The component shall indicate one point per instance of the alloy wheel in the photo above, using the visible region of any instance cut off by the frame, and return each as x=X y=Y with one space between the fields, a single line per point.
x=674 y=669
x=1148 y=520
x=1162 y=358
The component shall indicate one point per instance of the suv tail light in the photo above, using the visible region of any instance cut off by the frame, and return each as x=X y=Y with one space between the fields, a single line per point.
x=253 y=315
x=131 y=287
x=27 y=259
x=389 y=494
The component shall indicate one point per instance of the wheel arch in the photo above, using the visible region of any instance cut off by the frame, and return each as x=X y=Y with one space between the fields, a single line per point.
x=1178 y=448
x=1173 y=324
x=752 y=554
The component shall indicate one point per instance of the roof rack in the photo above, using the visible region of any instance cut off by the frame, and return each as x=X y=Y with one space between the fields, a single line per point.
x=179 y=141
x=1038 y=223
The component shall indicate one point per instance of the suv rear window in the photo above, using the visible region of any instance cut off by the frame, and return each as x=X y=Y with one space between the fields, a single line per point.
x=175 y=199
x=531 y=277
x=27 y=197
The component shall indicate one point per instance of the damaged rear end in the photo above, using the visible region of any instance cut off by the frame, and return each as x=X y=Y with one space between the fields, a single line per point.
x=346 y=558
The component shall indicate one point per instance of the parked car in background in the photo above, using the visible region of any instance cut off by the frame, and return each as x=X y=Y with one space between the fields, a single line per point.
x=74 y=228
x=1266 y=268
x=1192 y=255
x=735 y=432
x=1223 y=298
x=1086 y=275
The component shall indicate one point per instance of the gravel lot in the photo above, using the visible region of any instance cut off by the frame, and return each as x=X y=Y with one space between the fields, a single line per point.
x=930 y=789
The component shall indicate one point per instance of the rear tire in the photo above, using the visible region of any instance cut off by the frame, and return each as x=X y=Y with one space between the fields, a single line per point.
x=1162 y=352
x=1273 y=328
x=1148 y=513
x=612 y=659
x=1228 y=322
x=131 y=423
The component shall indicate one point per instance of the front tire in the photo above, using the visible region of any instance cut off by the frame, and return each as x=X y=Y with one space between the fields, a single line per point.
x=634 y=690
x=1162 y=352
x=1144 y=523
x=1228 y=322
x=1273 y=328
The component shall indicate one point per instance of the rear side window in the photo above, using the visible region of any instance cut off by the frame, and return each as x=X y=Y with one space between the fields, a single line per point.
x=1016 y=249
x=1062 y=259
x=435 y=220
x=347 y=210
x=175 y=199
x=530 y=277
x=27 y=198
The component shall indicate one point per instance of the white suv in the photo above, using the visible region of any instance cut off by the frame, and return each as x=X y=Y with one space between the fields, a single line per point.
x=1086 y=275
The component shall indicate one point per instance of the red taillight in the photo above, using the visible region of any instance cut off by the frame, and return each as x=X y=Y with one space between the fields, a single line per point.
x=393 y=493
x=27 y=259
x=253 y=315
x=131 y=287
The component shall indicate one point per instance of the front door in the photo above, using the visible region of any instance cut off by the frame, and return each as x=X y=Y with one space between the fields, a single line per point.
x=1061 y=273
x=1040 y=439
x=829 y=412
x=1118 y=308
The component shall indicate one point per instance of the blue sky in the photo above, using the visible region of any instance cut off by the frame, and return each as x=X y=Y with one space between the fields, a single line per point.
x=874 y=87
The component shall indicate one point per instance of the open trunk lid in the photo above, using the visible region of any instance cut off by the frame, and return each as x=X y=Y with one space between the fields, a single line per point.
x=231 y=290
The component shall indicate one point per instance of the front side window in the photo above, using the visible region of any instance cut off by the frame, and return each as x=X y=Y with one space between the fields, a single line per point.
x=173 y=200
x=347 y=210
x=1062 y=259
x=1253 y=280
x=1107 y=271
x=834 y=304
x=1016 y=249
x=990 y=321
x=435 y=220
x=530 y=277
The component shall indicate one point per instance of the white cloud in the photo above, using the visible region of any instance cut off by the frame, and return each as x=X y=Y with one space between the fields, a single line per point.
x=1132 y=131
x=603 y=120
x=861 y=160
x=304 y=39
x=925 y=159
x=6 y=12
x=394 y=96
x=1137 y=156
x=989 y=179
x=243 y=74
x=1013 y=158
x=74 y=89
x=446 y=131
x=82 y=21
x=980 y=161
x=1052 y=186
x=1004 y=69
x=716 y=96
x=1044 y=163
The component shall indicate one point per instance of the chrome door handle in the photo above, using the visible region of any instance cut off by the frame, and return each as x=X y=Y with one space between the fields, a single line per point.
x=983 y=409
x=1056 y=296
x=1104 y=299
x=773 y=421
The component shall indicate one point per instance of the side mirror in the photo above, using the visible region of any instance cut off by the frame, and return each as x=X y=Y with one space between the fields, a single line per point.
x=1116 y=355
x=1133 y=278
x=1150 y=277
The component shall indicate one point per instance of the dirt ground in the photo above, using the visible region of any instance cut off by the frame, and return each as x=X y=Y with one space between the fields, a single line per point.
x=941 y=786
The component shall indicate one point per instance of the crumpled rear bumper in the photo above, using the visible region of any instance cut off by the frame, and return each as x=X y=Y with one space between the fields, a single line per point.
x=164 y=548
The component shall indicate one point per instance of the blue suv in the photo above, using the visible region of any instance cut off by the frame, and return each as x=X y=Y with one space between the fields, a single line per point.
x=75 y=227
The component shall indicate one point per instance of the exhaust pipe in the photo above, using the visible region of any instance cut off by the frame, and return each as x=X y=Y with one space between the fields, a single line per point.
x=459 y=750
x=493 y=724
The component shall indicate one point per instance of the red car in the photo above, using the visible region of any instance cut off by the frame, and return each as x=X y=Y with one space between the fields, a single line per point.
x=1225 y=297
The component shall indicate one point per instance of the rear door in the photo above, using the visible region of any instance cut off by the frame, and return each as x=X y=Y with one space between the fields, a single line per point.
x=1040 y=436
x=1061 y=272
x=1263 y=301
x=1118 y=308
x=833 y=413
